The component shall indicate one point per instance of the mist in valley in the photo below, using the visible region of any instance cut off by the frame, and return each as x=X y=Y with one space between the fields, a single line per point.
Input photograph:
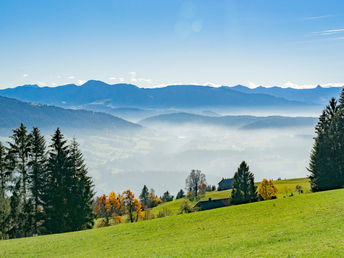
x=161 y=157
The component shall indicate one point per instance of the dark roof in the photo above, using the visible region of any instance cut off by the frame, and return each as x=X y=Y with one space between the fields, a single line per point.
x=226 y=181
x=212 y=204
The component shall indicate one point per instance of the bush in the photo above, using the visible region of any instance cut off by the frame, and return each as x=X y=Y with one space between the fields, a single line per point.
x=164 y=213
x=299 y=189
x=186 y=207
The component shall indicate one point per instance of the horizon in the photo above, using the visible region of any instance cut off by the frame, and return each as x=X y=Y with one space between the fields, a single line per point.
x=184 y=84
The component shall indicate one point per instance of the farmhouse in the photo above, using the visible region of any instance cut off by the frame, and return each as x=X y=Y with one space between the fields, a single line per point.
x=212 y=204
x=225 y=184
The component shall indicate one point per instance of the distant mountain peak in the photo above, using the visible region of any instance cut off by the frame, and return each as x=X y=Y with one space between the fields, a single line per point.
x=29 y=86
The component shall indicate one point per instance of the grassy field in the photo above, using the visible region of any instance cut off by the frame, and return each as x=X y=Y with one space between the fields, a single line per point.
x=303 y=225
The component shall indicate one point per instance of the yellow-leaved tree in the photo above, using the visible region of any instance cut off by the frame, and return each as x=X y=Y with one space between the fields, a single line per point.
x=133 y=206
x=267 y=190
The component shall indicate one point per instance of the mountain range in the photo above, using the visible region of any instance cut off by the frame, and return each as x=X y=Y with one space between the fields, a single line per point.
x=97 y=94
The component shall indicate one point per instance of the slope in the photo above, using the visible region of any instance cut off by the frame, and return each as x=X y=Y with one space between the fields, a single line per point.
x=304 y=225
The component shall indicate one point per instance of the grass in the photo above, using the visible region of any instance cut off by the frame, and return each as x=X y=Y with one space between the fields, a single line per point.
x=307 y=225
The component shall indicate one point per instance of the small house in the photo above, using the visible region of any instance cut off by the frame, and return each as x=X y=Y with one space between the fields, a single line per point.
x=225 y=184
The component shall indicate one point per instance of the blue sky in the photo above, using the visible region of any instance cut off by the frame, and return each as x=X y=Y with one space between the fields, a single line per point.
x=296 y=43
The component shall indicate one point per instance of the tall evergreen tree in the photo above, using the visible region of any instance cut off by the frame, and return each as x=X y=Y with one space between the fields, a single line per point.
x=144 y=196
x=5 y=177
x=37 y=176
x=326 y=162
x=20 y=147
x=57 y=191
x=82 y=191
x=244 y=189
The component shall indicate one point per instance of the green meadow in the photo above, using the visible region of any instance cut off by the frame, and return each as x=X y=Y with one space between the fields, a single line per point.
x=304 y=225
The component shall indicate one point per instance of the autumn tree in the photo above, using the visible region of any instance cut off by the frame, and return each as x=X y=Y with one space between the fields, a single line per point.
x=267 y=190
x=244 y=189
x=132 y=206
x=109 y=207
x=195 y=179
x=202 y=189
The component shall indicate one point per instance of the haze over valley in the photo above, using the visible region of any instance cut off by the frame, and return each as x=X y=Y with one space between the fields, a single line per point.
x=131 y=135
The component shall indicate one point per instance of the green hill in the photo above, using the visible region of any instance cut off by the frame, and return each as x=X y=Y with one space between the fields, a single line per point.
x=303 y=225
x=285 y=188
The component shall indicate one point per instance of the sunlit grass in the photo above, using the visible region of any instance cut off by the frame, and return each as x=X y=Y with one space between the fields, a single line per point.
x=310 y=225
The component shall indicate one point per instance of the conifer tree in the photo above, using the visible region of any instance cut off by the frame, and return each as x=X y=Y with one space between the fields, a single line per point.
x=37 y=175
x=82 y=191
x=180 y=194
x=326 y=156
x=20 y=147
x=5 y=177
x=244 y=189
x=57 y=192
x=144 y=196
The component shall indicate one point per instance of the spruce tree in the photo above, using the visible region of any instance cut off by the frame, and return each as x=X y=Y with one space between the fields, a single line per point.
x=5 y=177
x=326 y=163
x=180 y=194
x=37 y=175
x=244 y=189
x=57 y=191
x=144 y=196
x=82 y=191
x=20 y=147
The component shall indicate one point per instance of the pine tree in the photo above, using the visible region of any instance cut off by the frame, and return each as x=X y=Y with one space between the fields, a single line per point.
x=37 y=175
x=82 y=191
x=180 y=194
x=5 y=177
x=244 y=189
x=19 y=150
x=57 y=191
x=144 y=196
x=327 y=153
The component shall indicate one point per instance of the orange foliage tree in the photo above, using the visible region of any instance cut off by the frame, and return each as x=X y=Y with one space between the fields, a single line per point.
x=267 y=190
x=110 y=206
x=132 y=206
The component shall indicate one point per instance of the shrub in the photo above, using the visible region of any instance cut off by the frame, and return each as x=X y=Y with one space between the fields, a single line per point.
x=186 y=207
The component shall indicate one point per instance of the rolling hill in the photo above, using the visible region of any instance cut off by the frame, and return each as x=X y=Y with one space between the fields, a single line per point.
x=13 y=112
x=307 y=225
x=241 y=122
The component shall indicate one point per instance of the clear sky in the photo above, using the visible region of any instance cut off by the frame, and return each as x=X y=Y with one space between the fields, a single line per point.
x=150 y=43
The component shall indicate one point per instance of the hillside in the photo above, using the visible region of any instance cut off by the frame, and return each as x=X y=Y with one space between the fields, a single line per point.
x=243 y=122
x=126 y=95
x=13 y=112
x=285 y=188
x=304 y=225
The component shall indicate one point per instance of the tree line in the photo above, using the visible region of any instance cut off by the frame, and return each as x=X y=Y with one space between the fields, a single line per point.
x=43 y=189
